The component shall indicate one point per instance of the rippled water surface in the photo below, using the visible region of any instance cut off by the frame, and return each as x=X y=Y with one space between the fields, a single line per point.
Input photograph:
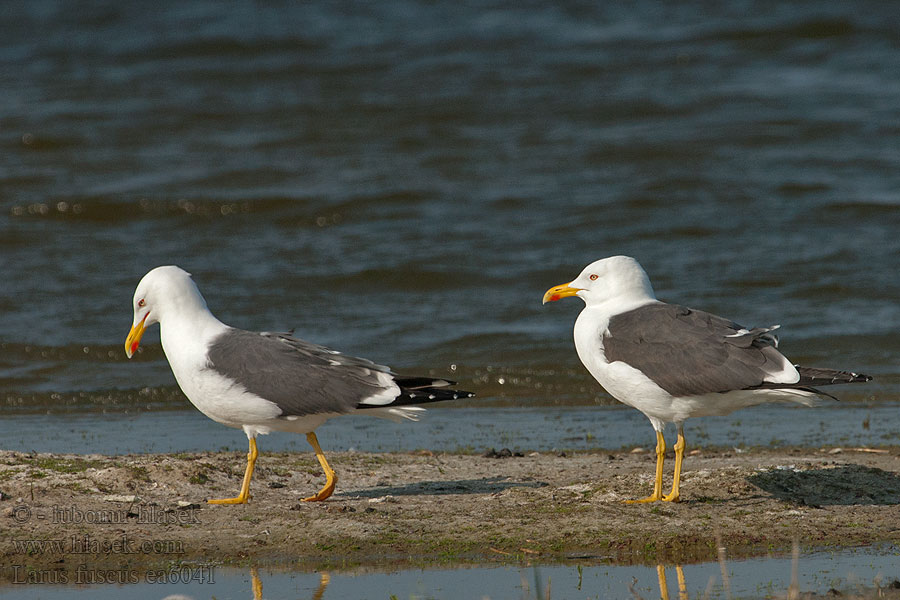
x=861 y=573
x=402 y=180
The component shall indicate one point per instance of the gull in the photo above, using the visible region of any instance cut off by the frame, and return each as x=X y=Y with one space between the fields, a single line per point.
x=261 y=381
x=671 y=362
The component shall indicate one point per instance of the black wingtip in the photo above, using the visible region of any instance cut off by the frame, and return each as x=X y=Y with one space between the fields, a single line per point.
x=415 y=397
x=819 y=376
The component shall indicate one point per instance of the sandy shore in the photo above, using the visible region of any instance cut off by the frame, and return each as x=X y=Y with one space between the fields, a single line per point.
x=61 y=513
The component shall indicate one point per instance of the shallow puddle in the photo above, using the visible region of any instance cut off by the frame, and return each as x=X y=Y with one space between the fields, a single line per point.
x=870 y=572
x=454 y=429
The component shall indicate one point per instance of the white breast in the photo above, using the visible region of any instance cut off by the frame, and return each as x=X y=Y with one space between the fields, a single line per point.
x=216 y=396
x=623 y=382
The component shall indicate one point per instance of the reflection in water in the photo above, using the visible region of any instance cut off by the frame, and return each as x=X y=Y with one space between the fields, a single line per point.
x=257 y=584
x=323 y=583
x=793 y=591
x=722 y=566
x=862 y=574
x=663 y=586
x=794 y=588
x=324 y=579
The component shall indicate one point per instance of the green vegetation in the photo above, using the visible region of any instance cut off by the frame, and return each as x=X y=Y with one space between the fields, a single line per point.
x=199 y=478
x=139 y=473
x=67 y=465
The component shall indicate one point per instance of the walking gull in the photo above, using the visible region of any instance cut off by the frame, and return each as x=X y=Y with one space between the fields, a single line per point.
x=671 y=362
x=263 y=382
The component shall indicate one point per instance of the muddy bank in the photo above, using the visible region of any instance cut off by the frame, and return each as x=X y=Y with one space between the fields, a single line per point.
x=139 y=513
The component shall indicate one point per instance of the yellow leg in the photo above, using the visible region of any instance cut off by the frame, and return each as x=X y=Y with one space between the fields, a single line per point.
x=679 y=458
x=330 y=477
x=248 y=474
x=323 y=583
x=657 y=485
x=682 y=585
x=257 y=584
x=663 y=586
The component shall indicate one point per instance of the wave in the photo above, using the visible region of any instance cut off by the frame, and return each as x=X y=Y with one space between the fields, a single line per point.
x=294 y=211
x=864 y=209
x=804 y=30
x=75 y=352
x=122 y=401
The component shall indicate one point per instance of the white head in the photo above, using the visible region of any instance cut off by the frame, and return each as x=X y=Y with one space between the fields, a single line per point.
x=161 y=291
x=619 y=280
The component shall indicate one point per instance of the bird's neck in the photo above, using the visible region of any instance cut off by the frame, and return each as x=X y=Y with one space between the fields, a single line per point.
x=594 y=319
x=590 y=327
x=620 y=304
x=188 y=334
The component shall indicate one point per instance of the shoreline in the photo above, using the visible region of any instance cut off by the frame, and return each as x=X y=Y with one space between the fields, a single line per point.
x=60 y=512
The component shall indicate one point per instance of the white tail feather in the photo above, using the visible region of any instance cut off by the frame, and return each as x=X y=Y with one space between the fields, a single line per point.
x=804 y=397
x=396 y=413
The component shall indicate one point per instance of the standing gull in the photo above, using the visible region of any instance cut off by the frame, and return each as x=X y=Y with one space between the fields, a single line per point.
x=671 y=362
x=263 y=382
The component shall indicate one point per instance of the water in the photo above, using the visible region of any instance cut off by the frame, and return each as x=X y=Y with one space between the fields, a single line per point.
x=403 y=180
x=861 y=570
x=445 y=429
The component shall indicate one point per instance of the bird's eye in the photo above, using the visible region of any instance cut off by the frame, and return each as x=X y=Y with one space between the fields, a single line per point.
x=593 y=278
x=141 y=303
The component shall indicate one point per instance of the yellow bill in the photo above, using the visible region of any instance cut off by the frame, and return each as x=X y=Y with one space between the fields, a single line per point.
x=559 y=292
x=134 y=337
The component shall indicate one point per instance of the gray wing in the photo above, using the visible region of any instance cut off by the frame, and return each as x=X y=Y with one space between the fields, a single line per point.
x=300 y=377
x=690 y=352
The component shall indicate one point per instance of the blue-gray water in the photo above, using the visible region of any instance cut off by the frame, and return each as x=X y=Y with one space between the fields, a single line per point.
x=522 y=429
x=853 y=571
x=402 y=180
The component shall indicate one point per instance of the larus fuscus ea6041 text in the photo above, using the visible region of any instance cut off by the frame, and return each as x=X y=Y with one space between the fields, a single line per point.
x=671 y=362
x=263 y=382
